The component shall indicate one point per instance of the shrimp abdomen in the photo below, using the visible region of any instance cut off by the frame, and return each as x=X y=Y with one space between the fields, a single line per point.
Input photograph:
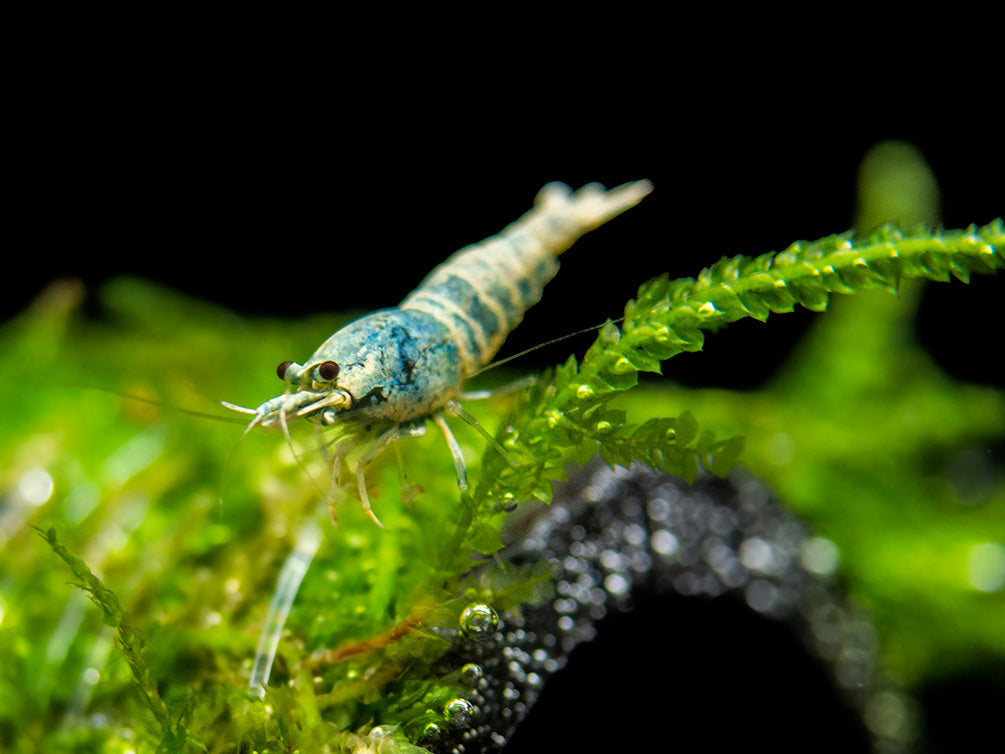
x=481 y=292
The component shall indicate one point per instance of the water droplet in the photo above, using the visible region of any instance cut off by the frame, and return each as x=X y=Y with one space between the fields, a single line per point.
x=458 y=711
x=430 y=731
x=479 y=621
x=602 y=427
x=584 y=391
x=471 y=675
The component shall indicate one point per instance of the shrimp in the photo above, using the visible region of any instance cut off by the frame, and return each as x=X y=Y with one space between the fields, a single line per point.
x=403 y=365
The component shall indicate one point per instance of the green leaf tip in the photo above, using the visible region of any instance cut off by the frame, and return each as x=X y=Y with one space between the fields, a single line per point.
x=667 y=316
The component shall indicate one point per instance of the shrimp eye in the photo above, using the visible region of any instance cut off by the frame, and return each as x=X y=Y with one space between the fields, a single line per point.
x=327 y=370
x=281 y=369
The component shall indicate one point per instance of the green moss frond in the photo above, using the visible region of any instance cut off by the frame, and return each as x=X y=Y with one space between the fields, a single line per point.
x=668 y=317
x=131 y=642
x=567 y=416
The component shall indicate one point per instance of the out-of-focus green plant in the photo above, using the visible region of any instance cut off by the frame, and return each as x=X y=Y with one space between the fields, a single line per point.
x=166 y=518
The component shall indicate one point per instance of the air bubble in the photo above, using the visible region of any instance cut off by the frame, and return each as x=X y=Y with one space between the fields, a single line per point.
x=664 y=542
x=888 y=714
x=820 y=556
x=617 y=585
x=762 y=596
x=471 y=675
x=757 y=554
x=458 y=711
x=479 y=621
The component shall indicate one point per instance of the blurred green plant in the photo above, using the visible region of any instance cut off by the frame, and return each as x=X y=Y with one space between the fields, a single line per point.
x=163 y=517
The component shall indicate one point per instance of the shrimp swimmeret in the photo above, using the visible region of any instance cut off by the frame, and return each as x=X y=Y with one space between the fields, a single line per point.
x=403 y=365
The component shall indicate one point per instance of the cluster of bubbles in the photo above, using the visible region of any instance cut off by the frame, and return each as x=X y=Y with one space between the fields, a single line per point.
x=611 y=533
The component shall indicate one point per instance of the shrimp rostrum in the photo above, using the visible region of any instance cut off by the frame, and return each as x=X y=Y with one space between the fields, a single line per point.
x=397 y=367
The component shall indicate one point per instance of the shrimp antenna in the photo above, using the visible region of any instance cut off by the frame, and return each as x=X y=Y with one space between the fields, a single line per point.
x=289 y=442
x=545 y=344
x=164 y=404
x=286 y=433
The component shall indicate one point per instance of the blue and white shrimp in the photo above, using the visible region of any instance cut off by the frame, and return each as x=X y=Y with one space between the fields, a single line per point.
x=402 y=365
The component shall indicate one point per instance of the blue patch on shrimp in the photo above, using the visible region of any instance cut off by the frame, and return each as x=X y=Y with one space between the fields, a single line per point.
x=489 y=277
x=460 y=291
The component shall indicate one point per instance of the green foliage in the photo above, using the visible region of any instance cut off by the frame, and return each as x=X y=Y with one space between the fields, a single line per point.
x=136 y=489
x=568 y=415
x=130 y=642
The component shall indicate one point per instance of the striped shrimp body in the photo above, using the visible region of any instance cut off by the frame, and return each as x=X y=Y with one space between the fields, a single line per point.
x=405 y=364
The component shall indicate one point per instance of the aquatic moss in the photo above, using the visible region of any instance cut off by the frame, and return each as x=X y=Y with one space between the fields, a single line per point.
x=184 y=556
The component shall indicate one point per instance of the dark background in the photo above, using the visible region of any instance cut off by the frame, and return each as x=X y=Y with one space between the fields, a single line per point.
x=271 y=194
x=297 y=186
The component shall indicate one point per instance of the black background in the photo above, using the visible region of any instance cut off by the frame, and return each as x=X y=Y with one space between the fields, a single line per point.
x=273 y=195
